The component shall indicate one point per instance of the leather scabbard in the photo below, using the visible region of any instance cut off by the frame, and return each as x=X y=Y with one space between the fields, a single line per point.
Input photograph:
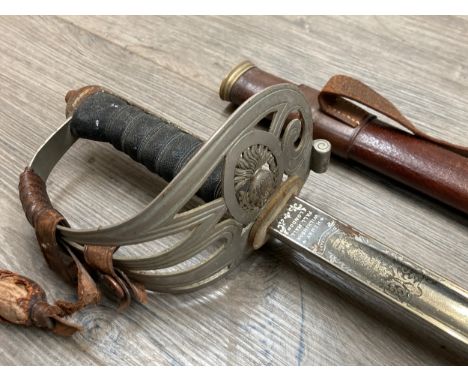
x=434 y=167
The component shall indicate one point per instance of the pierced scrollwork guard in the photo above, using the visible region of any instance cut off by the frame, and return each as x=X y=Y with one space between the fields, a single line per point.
x=240 y=144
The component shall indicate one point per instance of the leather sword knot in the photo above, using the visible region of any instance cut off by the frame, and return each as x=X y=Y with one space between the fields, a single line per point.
x=24 y=302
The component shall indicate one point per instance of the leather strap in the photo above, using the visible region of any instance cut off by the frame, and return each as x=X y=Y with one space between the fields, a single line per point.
x=64 y=260
x=100 y=258
x=332 y=102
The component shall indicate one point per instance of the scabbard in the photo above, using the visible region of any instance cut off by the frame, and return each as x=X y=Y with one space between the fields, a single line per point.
x=431 y=166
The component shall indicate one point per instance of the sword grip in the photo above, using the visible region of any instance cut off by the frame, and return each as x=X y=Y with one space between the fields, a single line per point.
x=147 y=138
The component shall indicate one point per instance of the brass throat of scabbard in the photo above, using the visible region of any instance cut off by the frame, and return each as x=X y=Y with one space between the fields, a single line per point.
x=231 y=79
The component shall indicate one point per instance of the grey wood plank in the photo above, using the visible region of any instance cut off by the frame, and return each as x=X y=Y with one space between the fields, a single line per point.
x=409 y=59
x=265 y=312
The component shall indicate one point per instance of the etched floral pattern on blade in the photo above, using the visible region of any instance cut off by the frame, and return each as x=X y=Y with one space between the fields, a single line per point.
x=394 y=279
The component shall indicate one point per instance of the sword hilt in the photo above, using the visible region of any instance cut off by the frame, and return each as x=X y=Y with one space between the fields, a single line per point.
x=147 y=138
x=243 y=163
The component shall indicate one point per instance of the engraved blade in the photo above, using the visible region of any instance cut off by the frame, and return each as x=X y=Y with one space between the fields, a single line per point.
x=369 y=270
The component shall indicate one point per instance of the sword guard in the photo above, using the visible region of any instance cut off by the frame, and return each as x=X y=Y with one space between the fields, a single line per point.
x=261 y=167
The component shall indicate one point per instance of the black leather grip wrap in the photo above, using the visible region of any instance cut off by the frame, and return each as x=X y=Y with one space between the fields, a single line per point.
x=146 y=138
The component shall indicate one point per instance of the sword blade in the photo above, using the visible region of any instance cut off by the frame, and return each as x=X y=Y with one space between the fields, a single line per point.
x=373 y=272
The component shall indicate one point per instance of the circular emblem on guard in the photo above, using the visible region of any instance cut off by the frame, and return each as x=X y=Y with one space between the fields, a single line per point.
x=253 y=170
x=263 y=157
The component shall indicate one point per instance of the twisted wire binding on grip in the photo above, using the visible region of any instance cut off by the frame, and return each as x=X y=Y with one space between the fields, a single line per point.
x=148 y=139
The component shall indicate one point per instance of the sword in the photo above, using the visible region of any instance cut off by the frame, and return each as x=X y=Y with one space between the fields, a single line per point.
x=246 y=179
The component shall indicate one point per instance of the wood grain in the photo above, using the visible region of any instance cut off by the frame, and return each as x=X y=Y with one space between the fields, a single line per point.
x=264 y=312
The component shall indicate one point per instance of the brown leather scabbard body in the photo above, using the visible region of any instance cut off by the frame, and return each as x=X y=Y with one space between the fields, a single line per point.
x=436 y=168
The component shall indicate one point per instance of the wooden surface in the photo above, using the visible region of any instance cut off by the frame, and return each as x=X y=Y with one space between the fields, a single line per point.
x=264 y=312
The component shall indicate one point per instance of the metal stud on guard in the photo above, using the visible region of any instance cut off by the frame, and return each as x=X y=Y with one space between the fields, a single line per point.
x=249 y=175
